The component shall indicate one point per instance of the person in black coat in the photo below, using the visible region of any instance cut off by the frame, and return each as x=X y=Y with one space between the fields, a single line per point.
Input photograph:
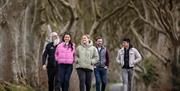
x=49 y=62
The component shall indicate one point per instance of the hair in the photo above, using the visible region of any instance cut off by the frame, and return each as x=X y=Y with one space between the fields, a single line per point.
x=88 y=36
x=70 y=45
x=53 y=34
x=127 y=40
x=99 y=37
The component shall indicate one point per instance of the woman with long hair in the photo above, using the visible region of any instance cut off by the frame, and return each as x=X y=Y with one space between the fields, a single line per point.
x=64 y=55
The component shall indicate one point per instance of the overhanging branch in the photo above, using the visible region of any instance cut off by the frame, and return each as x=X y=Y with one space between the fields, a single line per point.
x=132 y=5
x=96 y=24
x=134 y=31
x=99 y=22
x=72 y=13
x=7 y=1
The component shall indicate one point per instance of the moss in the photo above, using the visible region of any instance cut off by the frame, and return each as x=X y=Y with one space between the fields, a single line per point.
x=13 y=87
x=2 y=88
x=150 y=75
x=20 y=88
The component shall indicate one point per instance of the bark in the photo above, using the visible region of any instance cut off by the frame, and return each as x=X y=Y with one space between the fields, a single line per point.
x=175 y=69
x=134 y=31
x=73 y=14
x=99 y=22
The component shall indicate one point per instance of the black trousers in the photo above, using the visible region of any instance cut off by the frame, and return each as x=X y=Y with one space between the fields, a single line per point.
x=85 y=79
x=63 y=76
x=51 y=78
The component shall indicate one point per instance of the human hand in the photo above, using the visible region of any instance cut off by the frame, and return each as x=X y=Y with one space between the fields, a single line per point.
x=44 y=67
x=106 y=67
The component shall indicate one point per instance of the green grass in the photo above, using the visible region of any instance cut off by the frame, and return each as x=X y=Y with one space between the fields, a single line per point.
x=13 y=87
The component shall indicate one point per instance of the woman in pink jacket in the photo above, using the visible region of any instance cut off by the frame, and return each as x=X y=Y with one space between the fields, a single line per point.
x=64 y=56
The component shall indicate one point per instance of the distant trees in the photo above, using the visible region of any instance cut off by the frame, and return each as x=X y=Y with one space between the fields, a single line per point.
x=163 y=17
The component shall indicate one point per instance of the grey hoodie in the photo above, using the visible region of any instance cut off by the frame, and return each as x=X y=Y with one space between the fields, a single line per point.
x=86 y=56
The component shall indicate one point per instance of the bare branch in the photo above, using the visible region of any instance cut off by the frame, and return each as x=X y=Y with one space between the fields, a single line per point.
x=166 y=19
x=56 y=9
x=95 y=10
x=72 y=13
x=96 y=24
x=35 y=14
x=147 y=14
x=64 y=28
x=134 y=31
x=107 y=16
x=172 y=24
x=132 y=5
x=99 y=22
x=1 y=8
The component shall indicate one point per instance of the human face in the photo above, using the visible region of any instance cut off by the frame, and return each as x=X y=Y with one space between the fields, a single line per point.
x=125 y=44
x=67 y=38
x=99 y=42
x=85 y=39
x=54 y=37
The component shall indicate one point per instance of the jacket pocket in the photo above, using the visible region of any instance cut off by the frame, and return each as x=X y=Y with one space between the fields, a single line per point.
x=131 y=59
x=121 y=58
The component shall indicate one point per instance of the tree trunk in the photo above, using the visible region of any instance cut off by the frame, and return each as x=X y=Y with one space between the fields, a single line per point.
x=175 y=69
x=21 y=42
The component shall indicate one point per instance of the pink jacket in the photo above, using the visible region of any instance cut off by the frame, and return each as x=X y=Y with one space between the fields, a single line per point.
x=64 y=54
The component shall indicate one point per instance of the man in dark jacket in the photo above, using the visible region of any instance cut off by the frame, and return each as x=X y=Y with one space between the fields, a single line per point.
x=50 y=65
x=101 y=67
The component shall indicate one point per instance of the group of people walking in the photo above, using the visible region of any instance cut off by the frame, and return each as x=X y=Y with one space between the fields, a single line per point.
x=60 y=55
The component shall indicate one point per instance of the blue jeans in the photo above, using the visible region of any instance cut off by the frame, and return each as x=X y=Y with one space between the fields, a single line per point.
x=63 y=76
x=127 y=76
x=101 y=78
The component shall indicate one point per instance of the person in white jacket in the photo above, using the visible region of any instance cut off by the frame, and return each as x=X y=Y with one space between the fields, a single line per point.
x=128 y=57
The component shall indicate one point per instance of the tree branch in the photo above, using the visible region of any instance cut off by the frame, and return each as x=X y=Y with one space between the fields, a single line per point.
x=96 y=24
x=95 y=10
x=132 y=5
x=172 y=24
x=34 y=15
x=56 y=9
x=165 y=17
x=134 y=31
x=99 y=22
x=1 y=8
x=72 y=13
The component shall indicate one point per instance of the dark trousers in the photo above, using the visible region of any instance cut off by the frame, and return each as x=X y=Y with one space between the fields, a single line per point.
x=51 y=78
x=63 y=77
x=85 y=79
x=101 y=78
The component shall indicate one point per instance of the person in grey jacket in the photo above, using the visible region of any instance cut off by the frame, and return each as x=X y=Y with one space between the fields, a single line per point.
x=86 y=57
x=127 y=57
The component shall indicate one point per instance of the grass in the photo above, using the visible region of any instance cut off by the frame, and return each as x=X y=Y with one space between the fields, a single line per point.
x=12 y=87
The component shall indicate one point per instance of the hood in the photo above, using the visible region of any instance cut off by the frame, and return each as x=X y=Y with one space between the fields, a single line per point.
x=88 y=45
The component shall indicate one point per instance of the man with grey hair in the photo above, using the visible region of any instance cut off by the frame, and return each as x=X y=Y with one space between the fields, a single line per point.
x=127 y=57
x=51 y=64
